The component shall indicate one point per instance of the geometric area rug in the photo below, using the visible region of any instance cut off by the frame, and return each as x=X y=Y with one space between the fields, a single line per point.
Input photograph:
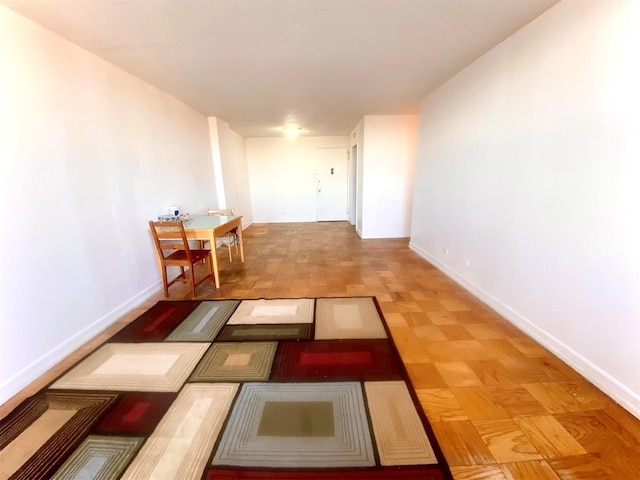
x=309 y=388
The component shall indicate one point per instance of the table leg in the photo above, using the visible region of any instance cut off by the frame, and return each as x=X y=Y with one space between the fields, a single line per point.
x=214 y=257
x=239 y=232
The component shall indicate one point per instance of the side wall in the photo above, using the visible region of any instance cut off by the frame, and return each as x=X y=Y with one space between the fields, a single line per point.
x=236 y=173
x=526 y=187
x=89 y=155
x=388 y=165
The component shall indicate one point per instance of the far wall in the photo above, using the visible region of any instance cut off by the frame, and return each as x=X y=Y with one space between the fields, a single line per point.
x=527 y=190
x=281 y=176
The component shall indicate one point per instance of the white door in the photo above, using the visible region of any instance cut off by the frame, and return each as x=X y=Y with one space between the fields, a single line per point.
x=331 y=184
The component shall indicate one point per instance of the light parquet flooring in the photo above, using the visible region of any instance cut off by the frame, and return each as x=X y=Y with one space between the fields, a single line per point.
x=501 y=405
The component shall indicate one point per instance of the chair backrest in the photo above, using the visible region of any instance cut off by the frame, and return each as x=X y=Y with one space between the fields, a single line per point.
x=213 y=211
x=170 y=236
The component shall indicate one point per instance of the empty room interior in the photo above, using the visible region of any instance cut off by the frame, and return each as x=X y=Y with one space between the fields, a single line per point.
x=474 y=165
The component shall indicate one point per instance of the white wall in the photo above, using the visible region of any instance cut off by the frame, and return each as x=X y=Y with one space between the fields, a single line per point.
x=281 y=176
x=386 y=165
x=216 y=160
x=229 y=157
x=389 y=155
x=236 y=173
x=527 y=175
x=357 y=138
x=89 y=155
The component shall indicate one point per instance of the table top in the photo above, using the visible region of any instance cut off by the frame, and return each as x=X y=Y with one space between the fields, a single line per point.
x=197 y=222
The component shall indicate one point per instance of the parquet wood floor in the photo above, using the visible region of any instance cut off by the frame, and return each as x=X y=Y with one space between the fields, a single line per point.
x=501 y=405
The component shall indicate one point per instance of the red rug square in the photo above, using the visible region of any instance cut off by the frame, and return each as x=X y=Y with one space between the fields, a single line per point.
x=157 y=322
x=340 y=360
x=135 y=413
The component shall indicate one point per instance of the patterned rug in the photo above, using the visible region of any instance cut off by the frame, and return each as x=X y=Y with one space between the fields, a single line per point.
x=227 y=389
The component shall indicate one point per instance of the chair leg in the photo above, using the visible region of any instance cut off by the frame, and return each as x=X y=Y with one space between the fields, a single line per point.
x=164 y=282
x=229 y=248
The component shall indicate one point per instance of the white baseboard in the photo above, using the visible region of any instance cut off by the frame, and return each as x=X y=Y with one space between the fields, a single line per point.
x=622 y=394
x=33 y=371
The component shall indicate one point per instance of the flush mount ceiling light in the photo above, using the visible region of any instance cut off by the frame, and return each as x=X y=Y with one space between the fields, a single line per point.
x=292 y=130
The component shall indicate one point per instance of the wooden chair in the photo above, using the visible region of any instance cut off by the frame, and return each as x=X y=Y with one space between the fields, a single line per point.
x=231 y=238
x=173 y=250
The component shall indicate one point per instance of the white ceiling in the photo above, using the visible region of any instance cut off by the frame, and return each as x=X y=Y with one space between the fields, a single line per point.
x=258 y=64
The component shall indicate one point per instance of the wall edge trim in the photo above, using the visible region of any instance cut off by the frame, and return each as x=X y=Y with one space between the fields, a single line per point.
x=29 y=374
x=618 y=391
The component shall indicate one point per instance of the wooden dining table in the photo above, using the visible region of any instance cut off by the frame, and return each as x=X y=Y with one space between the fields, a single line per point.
x=212 y=227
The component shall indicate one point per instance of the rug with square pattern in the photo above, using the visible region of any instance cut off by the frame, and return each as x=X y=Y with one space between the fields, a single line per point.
x=309 y=388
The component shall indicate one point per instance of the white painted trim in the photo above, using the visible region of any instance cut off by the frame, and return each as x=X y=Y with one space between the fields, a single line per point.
x=33 y=371
x=608 y=384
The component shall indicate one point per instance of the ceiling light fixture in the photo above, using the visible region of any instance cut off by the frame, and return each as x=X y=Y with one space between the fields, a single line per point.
x=292 y=130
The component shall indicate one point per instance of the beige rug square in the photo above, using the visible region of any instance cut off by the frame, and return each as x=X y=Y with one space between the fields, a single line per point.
x=147 y=367
x=343 y=318
x=180 y=445
x=400 y=436
x=269 y=312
